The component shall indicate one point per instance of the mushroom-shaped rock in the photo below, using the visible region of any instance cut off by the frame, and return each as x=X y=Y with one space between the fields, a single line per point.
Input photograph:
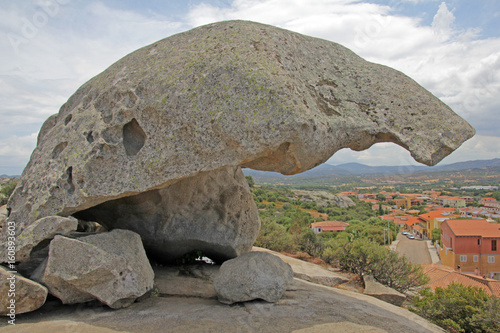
x=229 y=94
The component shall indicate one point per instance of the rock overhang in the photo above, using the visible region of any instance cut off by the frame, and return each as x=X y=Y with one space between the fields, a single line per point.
x=228 y=94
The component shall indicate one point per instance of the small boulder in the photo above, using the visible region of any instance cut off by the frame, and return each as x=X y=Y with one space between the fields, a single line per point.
x=27 y=295
x=111 y=267
x=384 y=293
x=38 y=235
x=254 y=275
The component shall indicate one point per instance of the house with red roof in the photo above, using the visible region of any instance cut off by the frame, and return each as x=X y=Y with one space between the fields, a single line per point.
x=319 y=227
x=472 y=245
x=442 y=276
x=433 y=220
x=406 y=222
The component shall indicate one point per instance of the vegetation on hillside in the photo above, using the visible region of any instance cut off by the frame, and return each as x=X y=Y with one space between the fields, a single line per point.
x=7 y=190
x=459 y=308
x=358 y=249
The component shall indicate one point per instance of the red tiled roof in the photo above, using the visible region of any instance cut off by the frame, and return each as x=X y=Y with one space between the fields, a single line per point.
x=441 y=276
x=436 y=214
x=495 y=287
x=477 y=227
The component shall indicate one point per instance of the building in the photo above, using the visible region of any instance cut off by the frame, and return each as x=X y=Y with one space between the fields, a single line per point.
x=406 y=222
x=319 y=227
x=488 y=202
x=454 y=202
x=468 y=200
x=442 y=276
x=433 y=220
x=472 y=245
x=403 y=202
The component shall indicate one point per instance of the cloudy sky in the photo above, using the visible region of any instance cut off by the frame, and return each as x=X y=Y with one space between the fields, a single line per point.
x=48 y=48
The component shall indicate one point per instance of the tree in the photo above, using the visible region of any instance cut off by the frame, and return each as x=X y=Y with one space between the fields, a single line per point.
x=458 y=308
x=250 y=181
x=380 y=210
x=311 y=244
x=436 y=235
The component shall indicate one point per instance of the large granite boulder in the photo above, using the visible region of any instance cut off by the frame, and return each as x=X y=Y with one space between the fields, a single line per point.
x=229 y=94
x=19 y=294
x=254 y=275
x=111 y=267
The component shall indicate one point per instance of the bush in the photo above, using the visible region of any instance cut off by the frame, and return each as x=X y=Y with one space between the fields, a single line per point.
x=274 y=237
x=364 y=257
x=459 y=308
x=311 y=244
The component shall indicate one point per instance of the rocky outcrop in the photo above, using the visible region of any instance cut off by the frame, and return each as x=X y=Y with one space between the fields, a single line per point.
x=27 y=295
x=254 y=275
x=323 y=198
x=213 y=213
x=384 y=293
x=39 y=234
x=309 y=272
x=111 y=267
x=216 y=98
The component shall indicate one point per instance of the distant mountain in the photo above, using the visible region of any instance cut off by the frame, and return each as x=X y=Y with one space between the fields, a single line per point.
x=477 y=164
x=358 y=169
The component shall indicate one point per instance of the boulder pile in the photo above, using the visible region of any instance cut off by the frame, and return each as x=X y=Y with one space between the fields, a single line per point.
x=155 y=144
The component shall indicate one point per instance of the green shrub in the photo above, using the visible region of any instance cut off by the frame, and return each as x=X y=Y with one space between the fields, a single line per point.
x=7 y=190
x=364 y=257
x=274 y=237
x=459 y=308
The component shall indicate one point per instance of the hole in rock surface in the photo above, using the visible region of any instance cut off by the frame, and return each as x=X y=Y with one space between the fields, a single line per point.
x=69 y=173
x=133 y=137
x=58 y=149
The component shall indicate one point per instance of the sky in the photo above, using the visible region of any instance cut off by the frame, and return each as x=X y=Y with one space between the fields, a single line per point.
x=49 y=48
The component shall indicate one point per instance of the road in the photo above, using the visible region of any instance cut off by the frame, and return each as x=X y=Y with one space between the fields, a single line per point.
x=415 y=250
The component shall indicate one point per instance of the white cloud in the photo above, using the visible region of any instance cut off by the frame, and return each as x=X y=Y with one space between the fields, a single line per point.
x=443 y=21
x=15 y=152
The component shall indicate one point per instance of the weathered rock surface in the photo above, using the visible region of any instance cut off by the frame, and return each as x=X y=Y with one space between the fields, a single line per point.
x=304 y=305
x=111 y=267
x=307 y=271
x=29 y=295
x=254 y=275
x=214 y=213
x=39 y=234
x=378 y=290
x=227 y=94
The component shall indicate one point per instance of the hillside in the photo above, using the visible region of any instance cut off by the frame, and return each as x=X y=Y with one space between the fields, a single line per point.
x=486 y=172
